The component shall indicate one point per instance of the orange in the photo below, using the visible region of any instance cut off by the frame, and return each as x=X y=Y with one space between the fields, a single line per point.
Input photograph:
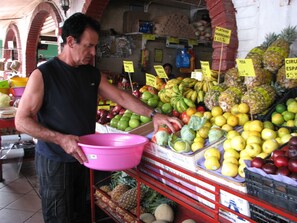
x=191 y=111
x=216 y=111
x=232 y=120
x=243 y=108
x=220 y=120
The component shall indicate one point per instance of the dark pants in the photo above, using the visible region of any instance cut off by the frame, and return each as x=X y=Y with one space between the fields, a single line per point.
x=64 y=190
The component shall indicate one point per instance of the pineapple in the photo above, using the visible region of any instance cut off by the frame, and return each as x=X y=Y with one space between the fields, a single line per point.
x=118 y=191
x=259 y=98
x=261 y=77
x=283 y=81
x=274 y=56
x=129 y=199
x=211 y=97
x=232 y=78
x=230 y=97
x=256 y=54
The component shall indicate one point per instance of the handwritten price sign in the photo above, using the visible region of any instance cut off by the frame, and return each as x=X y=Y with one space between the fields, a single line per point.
x=160 y=71
x=245 y=67
x=128 y=66
x=222 y=35
x=291 y=68
x=150 y=80
x=205 y=68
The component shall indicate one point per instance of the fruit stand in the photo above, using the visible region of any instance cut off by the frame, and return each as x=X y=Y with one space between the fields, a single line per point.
x=149 y=173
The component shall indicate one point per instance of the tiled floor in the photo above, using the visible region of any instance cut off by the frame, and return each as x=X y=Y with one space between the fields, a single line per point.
x=19 y=199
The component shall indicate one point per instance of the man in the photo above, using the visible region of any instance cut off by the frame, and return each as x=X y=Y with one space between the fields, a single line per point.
x=168 y=70
x=63 y=94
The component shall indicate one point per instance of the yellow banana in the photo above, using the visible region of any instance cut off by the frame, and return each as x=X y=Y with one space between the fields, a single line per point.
x=194 y=96
x=189 y=103
x=205 y=87
x=198 y=86
x=186 y=92
x=189 y=94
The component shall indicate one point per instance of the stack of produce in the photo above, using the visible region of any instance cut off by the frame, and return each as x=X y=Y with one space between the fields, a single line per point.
x=230 y=97
x=274 y=56
x=259 y=98
x=211 y=98
x=232 y=78
x=202 y=30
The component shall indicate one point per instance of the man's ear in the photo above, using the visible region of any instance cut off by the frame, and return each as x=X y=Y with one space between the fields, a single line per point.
x=70 y=41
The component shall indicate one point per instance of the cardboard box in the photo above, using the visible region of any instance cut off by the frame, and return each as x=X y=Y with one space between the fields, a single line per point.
x=187 y=161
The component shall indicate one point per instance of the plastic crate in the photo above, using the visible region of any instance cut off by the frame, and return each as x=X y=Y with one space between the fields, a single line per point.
x=261 y=215
x=275 y=192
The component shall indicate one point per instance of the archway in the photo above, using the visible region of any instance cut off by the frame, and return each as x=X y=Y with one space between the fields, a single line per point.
x=41 y=12
x=13 y=34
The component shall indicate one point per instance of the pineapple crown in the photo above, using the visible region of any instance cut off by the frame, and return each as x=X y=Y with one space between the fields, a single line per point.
x=269 y=38
x=289 y=34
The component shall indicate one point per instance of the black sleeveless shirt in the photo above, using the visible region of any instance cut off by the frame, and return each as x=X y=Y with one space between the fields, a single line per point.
x=69 y=103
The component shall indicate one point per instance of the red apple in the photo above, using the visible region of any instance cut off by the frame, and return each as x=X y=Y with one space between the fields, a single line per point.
x=293 y=141
x=283 y=170
x=175 y=113
x=257 y=162
x=276 y=153
x=184 y=117
x=292 y=152
x=200 y=108
x=269 y=168
x=281 y=160
x=293 y=176
x=292 y=165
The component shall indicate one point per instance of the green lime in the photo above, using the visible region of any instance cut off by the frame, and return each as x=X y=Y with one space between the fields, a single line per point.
x=153 y=102
x=288 y=115
x=289 y=101
x=166 y=108
x=135 y=116
x=128 y=129
x=134 y=123
x=146 y=95
x=122 y=125
x=114 y=122
x=280 y=108
x=145 y=119
x=125 y=118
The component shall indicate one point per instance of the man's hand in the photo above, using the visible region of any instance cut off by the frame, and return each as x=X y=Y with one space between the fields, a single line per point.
x=70 y=144
x=161 y=119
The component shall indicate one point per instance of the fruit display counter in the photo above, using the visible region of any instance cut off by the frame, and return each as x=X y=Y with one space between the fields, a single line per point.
x=208 y=198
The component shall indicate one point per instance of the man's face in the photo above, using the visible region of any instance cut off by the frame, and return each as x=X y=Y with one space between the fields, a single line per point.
x=167 y=70
x=85 y=51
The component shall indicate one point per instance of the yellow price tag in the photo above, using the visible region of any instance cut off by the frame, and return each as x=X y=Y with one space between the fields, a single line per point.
x=222 y=35
x=104 y=107
x=172 y=40
x=245 y=67
x=148 y=37
x=205 y=68
x=160 y=71
x=192 y=42
x=291 y=68
x=128 y=66
x=150 y=80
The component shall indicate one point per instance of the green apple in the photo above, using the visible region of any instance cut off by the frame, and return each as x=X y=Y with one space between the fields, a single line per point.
x=253 y=149
x=241 y=170
x=212 y=152
x=269 y=146
x=231 y=153
x=238 y=143
x=212 y=163
x=229 y=169
x=254 y=139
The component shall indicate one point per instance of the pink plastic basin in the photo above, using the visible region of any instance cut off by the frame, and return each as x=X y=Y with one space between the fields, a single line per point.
x=18 y=91
x=112 y=151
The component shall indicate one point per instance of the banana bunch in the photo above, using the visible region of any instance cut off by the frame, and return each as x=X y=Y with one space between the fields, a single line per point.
x=181 y=103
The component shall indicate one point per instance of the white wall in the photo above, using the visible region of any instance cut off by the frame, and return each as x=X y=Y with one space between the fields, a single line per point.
x=256 y=18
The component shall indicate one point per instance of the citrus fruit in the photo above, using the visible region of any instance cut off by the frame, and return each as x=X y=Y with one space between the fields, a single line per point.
x=290 y=123
x=280 y=108
x=231 y=153
x=199 y=114
x=232 y=134
x=179 y=146
x=277 y=119
x=229 y=169
x=216 y=111
x=146 y=95
x=166 y=108
x=282 y=131
x=191 y=111
x=242 y=119
x=289 y=101
x=268 y=134
x=238 y=143
x=114 y=122
x=207 y=115
x=122 y=124
x=227 y=144
x=227 y=127
x=134 y=123
x=288 y=115
x=145 y=119
x=243 y=108
x=232 y=120
x=203 y=132
x=234 y=109
x=220 y=120
x=231 y=160
x=152 y=102
x=227 y=114
x=268 y=125
x=256 y=125
x=199 y=139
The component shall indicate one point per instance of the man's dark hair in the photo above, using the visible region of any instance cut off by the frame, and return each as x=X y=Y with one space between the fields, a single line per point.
x=76 y=24
x=167 y=65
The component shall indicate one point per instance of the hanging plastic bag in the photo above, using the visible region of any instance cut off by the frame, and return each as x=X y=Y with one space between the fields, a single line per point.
x=182 y=59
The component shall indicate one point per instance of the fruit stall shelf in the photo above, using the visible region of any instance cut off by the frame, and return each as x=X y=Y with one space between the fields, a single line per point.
x=146 y=173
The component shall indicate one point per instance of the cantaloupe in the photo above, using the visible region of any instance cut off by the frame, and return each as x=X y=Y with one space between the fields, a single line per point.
x=164 y=212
